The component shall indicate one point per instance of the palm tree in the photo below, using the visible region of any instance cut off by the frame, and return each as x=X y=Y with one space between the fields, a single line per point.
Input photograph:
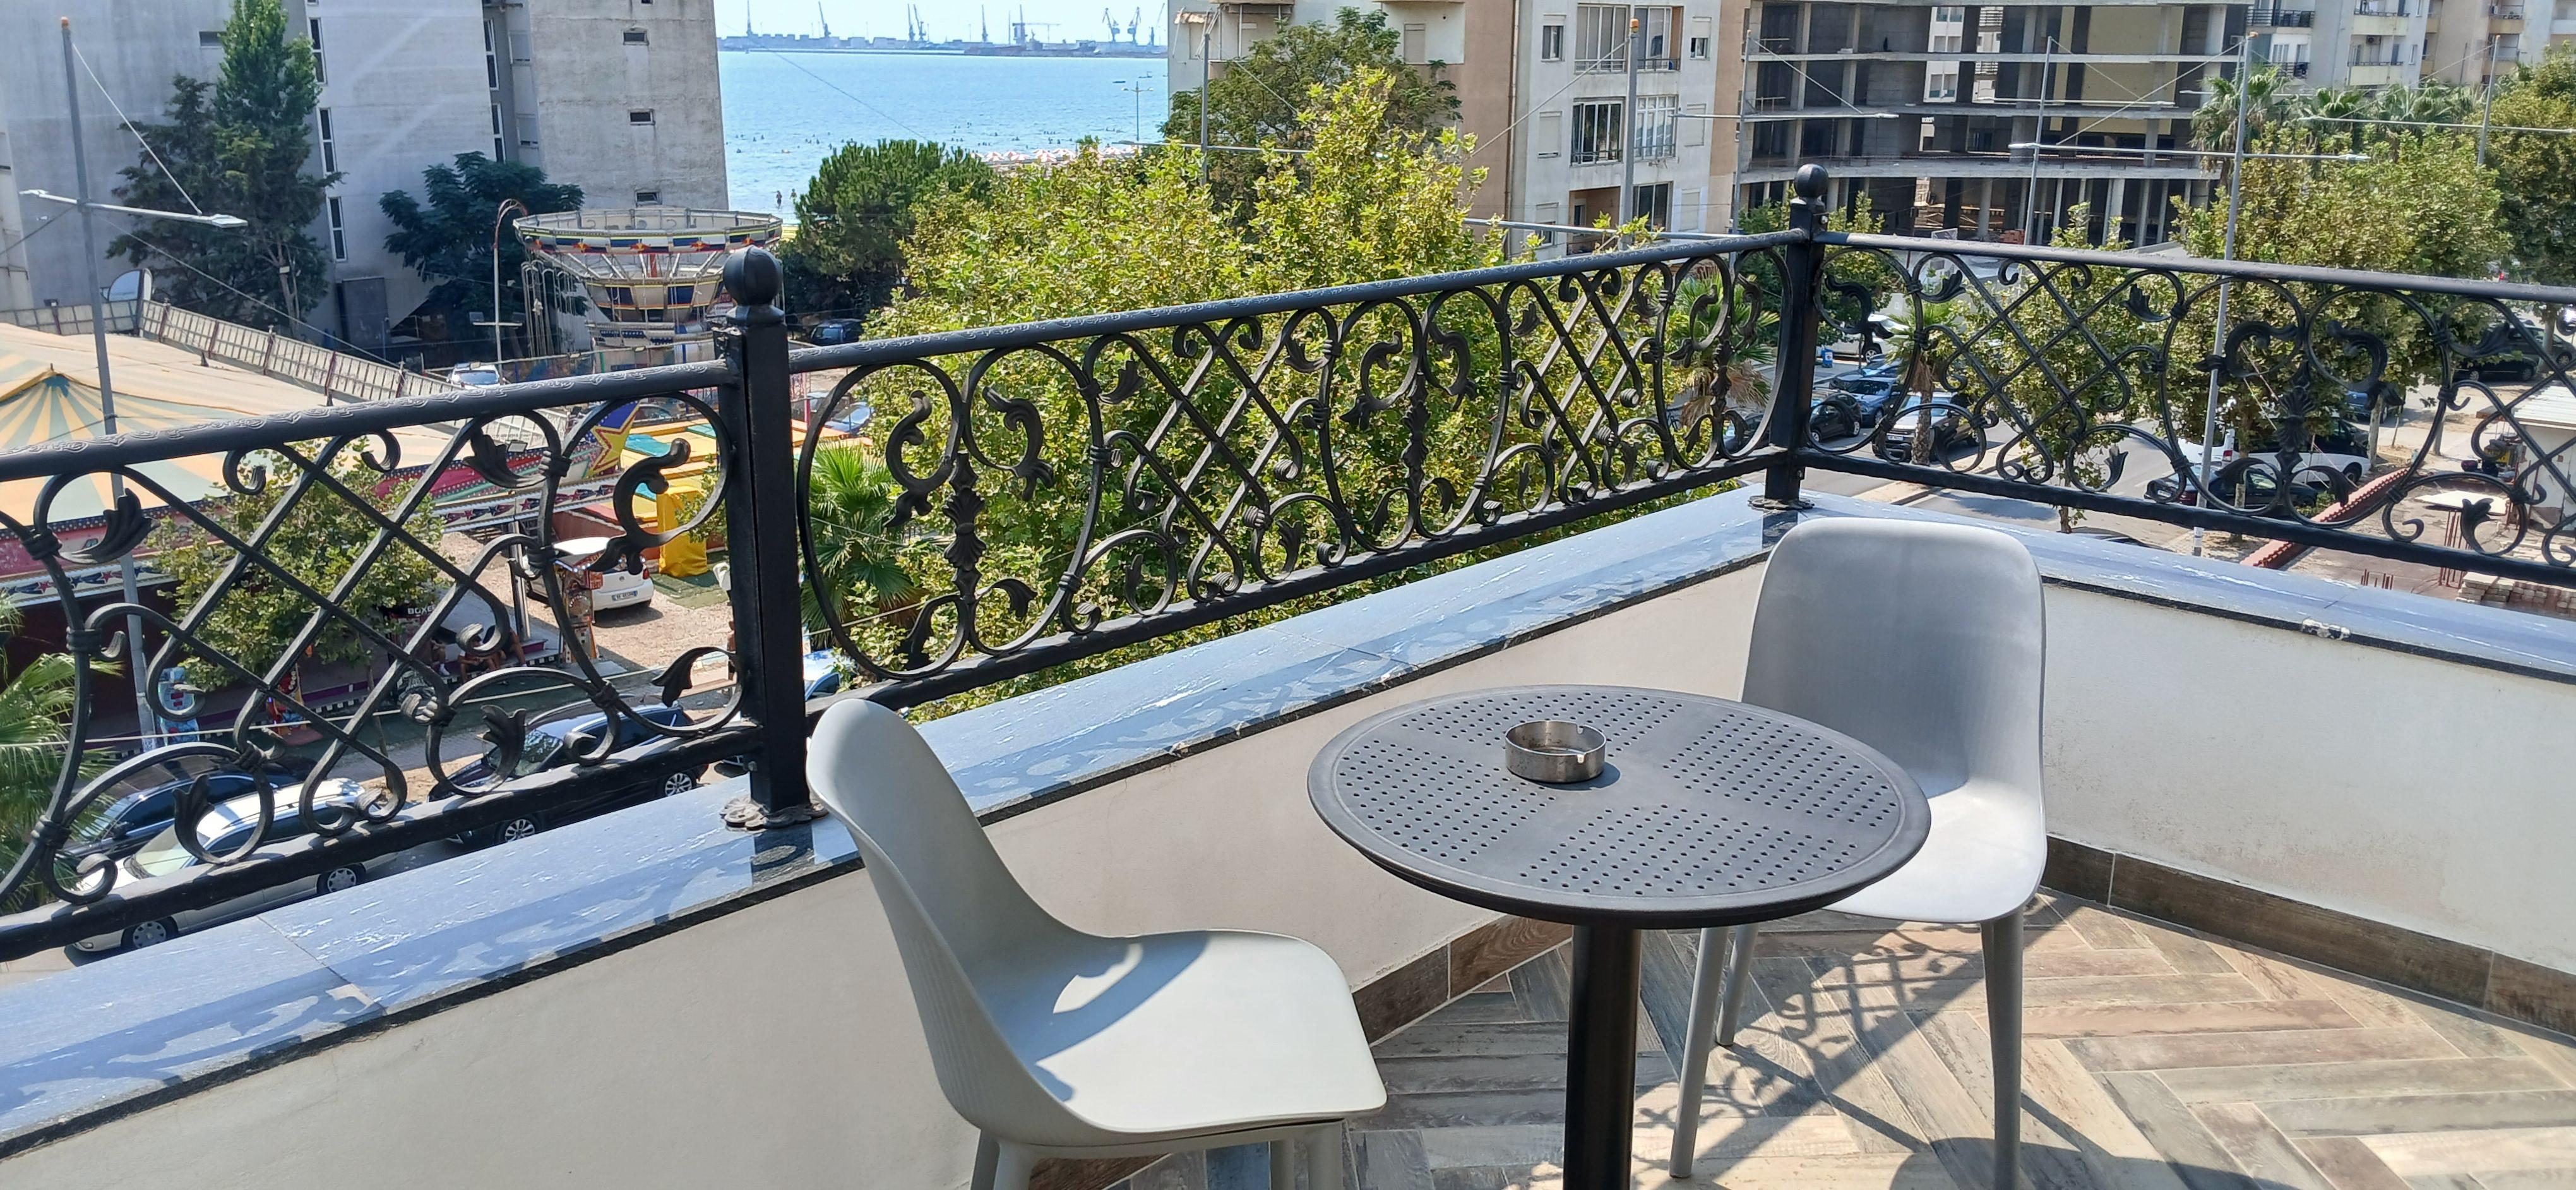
x=1739 y=362
x=2214 y=125
x=35 y=703
x=2346 y=104
x=856 y=546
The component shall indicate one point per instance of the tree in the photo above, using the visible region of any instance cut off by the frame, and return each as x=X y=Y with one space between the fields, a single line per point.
x=35 y=705
x=2068 y=419
x=236 y=148
x=318 y=542
x=852 y=219
x=448 y=241
x=1261 y=97
x=2268 y=103
x=1855 y=281
x=2537 y=171
x=859 y=548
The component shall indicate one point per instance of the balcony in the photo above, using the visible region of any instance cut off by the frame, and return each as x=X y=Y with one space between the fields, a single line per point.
x=2307 y=874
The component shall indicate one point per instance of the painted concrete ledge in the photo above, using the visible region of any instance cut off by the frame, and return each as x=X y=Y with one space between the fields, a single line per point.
x=86 y=1045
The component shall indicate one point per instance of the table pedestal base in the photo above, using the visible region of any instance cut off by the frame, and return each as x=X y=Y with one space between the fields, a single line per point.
x=1601 y=1060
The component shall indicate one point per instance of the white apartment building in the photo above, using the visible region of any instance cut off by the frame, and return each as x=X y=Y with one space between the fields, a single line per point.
x=1575 y=129
x=2356 y=43
x=406 y=84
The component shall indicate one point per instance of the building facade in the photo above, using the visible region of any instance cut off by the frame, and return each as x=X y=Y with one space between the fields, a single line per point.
x=1929 y=110
x=406 y=84
x=1576 y=128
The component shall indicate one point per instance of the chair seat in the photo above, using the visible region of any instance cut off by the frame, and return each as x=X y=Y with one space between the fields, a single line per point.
x=1173 y=1035
x=1981 y=861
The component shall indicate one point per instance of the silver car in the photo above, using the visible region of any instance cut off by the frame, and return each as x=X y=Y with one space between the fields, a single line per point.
x=224 y=828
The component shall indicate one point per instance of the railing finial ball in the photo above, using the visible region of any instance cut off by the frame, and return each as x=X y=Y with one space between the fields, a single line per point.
x=754 y=278
x=1810 y=182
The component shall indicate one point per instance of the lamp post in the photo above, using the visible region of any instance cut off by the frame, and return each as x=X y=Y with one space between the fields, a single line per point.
x=499 y=215
x=144 y=720
x=2227 y=251
x=1628 y=118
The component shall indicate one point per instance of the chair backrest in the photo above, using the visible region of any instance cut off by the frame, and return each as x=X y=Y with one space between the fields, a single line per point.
x=1922 y=640
x=959 y=917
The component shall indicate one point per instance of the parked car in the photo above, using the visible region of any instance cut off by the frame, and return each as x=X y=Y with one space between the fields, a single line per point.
x=615 y=587
x=2343 y=448
x=475 y=375
x=554 y=744
x=832 y=331
x=224 y=829
x=1952 y=428
x=822 y=678
x=131 y=821
x=1884 y=372
x=1852 y=407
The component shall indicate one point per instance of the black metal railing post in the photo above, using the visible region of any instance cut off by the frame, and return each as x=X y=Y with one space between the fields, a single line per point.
x=760 y=523
x=1793 y=394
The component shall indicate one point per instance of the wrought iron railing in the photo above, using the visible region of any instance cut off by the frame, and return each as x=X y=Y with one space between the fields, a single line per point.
x=950 y=512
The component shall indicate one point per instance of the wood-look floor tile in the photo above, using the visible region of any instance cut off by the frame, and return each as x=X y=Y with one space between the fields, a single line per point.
x=2128 y=1020
x=2258 y=1148
x=2102 y=928
x=1544 y=986
x=1446 y=1073
x=2385 y=1114
x=2278 y=1047
x=2499 y=1150
x=1389 y=1161
x=2053 y=964
x=2349 y=1164
x=2527 y=1179
x=1868 y=1171
x=2188 y=1145
x=1843 y=1068
x=2413 y=1076
x=1442 y=1035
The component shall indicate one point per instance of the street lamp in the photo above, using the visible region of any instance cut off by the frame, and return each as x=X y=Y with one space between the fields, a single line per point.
x=144 y=719
x=498 y=215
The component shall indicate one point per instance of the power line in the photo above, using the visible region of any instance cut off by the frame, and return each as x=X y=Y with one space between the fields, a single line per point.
x=227 y=286
x=12 y=245
x=128 y=124
x=898 y=121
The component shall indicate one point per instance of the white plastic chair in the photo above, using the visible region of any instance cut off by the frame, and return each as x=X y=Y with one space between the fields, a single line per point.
x=1924 y=641
x=1057 y=1043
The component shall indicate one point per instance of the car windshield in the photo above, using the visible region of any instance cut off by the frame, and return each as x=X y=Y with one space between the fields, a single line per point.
x=541 y=749
x=165 y=854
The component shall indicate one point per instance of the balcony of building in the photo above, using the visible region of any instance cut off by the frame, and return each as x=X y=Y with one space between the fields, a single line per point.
x=2302 y=923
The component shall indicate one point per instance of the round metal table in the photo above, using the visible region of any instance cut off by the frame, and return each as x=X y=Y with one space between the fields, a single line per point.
x=1708 y=813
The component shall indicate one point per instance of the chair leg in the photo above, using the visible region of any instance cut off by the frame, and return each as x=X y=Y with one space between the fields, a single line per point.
x=1283 y=1164
x=1706 y=986
x=1012 y=1170
x=1327 y=1149
x=1739 y=980
x=988 y=1156
x=2003 y=954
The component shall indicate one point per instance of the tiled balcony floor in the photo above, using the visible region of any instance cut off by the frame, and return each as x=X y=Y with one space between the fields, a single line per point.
x=2154 y=1059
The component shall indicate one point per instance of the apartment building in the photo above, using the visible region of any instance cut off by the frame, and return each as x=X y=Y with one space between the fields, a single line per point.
x=1919 y=106
x=1578 y=138
x=617 y=96
x=2475 y=42
x=2349 y=43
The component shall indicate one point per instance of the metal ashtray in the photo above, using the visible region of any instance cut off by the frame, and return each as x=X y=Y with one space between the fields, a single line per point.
x=1554 y=752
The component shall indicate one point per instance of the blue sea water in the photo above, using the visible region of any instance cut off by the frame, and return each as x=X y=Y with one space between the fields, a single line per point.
x=785 y=111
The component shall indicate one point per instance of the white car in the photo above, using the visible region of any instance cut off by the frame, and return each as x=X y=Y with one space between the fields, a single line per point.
x=224 y=828
x=475 y=375
x=2343 y=450
x=617 y=588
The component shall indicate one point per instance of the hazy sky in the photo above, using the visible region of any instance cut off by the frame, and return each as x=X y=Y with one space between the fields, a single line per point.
x=1075 y=19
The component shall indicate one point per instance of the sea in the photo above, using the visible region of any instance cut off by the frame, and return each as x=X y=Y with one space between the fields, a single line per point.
x=784 y=111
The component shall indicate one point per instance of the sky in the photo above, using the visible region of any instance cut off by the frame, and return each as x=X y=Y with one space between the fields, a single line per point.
x=1075 y=19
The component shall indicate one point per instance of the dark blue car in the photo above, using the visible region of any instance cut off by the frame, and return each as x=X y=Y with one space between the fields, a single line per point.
x=555 y=744
x=130 y=821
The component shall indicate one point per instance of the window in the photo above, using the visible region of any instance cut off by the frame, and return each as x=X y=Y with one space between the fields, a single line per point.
x=330 y=153
x=1699 y=37
x=637 y=37
x=1655 y=126
x=1655 y=202
x=1417 y=45
x=1601 y=37
x=1551 y=134
x=210 y=39
x=496 y=133
x=1699 y=48
x=648 y=198
x=528 y=131
x=1688 y=212
x=314 y=28
x=1546 y=212
x=1551 y=41
x=1695 y=130
x=339 y=232
x=1598 y=125
x=642 y=115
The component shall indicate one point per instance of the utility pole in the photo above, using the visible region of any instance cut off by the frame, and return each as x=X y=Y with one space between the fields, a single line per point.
x=1628 y=118
x=1207 y=48
x=2039 y=135
x=499 y=215
x=2227 y=252
x=146 y=724
x=2486 y=110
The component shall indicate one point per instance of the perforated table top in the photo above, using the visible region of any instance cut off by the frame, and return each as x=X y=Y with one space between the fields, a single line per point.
x=1709 y=812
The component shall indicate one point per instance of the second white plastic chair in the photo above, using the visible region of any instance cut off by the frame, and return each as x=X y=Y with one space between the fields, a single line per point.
x=1058 y=1043
x=1926 y=642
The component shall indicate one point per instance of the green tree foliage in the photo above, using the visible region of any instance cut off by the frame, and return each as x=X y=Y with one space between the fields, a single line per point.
x=2419 y=204
x=1258 y=101
x=447 y=239
x=318 y=541
x=35 y=707
x=2065 y=418
x=2268 y=104
x=2537 y=171
x=238 y=147
x=852 y=219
